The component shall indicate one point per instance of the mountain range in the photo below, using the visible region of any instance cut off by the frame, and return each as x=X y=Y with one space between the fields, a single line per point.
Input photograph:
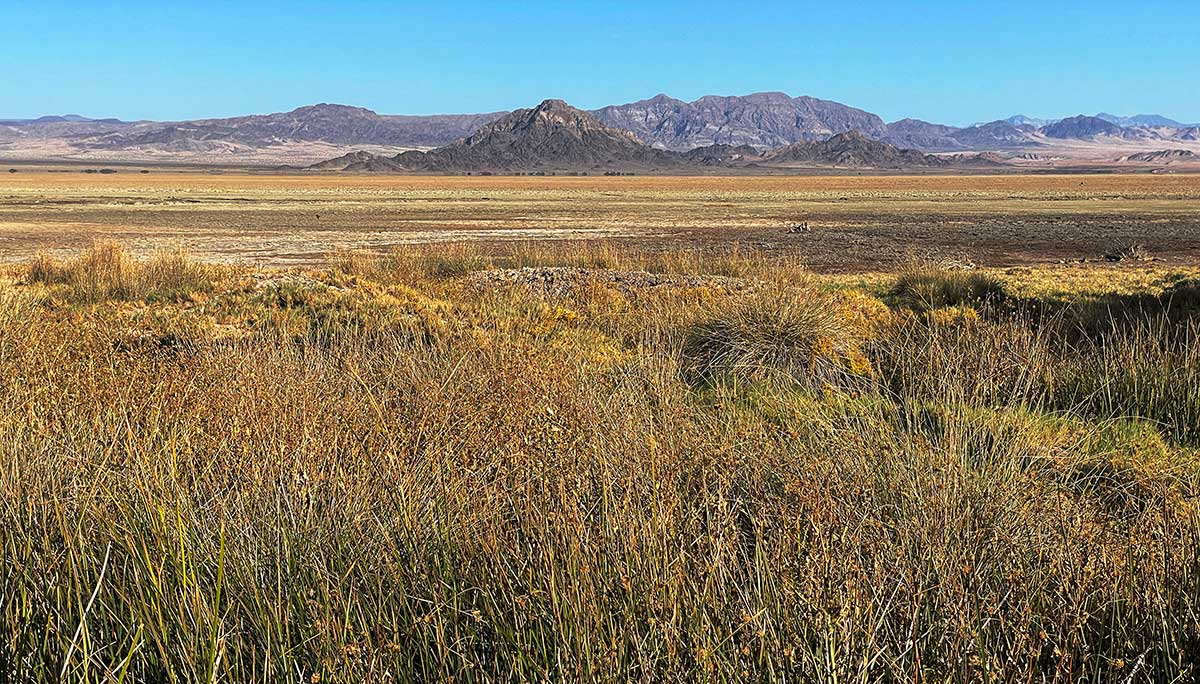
x=556 y=137
x=328 y=123
x=761 y=124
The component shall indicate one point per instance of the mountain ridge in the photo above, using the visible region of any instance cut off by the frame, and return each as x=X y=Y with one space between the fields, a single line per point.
x=763 y=121
x=556 y=137
x=551 y=136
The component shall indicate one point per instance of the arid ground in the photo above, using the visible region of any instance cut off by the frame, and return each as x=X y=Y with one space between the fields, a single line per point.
x=854 y=223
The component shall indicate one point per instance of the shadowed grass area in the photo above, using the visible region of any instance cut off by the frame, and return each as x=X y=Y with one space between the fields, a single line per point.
x=388 y=471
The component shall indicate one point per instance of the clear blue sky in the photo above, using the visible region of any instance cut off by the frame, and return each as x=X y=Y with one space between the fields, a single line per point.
x=947 y=61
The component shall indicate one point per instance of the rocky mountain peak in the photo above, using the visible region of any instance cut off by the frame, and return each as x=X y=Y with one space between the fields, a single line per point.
x=1081 y=127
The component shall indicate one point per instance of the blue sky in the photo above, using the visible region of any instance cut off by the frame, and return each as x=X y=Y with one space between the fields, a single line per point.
x=952 y=62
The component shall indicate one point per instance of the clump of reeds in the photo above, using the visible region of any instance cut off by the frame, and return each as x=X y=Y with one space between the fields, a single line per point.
x=794 y=332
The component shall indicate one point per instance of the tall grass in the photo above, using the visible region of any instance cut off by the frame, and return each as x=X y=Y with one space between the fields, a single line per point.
x=532 y=495
x=451 y=260
x=107 y=272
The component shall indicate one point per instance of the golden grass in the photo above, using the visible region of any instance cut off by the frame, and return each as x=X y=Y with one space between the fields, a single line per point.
x=385 y=471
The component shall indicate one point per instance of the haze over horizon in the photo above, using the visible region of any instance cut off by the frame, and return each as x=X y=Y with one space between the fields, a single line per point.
x=940 y=62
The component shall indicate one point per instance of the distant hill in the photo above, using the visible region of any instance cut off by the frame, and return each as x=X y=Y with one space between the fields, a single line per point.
x=1082 y=127
x=1141 y=120
x=54 y=118
x=721 y=155
x=852 y=149
x=922 y=135
x=355 y=161
x=1022 y=120
x=762 y=120
x=68 y=128
x=729 y=130
x=327 y=123
x=1163 y=156
x=556 y=137
x=996 y=135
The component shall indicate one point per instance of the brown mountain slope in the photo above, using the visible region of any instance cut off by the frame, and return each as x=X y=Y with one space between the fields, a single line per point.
x=327 y=123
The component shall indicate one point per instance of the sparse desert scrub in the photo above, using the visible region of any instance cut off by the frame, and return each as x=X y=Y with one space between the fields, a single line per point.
x=540 y=490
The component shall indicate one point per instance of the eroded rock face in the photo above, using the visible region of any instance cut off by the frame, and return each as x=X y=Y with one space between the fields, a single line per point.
x=761 y=120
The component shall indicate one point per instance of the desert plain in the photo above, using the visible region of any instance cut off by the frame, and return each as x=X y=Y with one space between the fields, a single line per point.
x=831 y=223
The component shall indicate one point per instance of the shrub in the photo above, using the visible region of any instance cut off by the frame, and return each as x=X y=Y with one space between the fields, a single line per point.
x=923 y=287
x=104 y=272
x=46 y=270
x=949 y=355
x=1150 y=369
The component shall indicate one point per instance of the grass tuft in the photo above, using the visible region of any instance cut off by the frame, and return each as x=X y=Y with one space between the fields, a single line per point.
x=924 y=287
x=790 y=332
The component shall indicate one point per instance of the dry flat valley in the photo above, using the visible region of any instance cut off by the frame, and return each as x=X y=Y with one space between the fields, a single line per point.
x=832 y=224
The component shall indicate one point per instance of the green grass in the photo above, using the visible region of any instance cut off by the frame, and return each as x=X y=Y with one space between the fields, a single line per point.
x=385 y=473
